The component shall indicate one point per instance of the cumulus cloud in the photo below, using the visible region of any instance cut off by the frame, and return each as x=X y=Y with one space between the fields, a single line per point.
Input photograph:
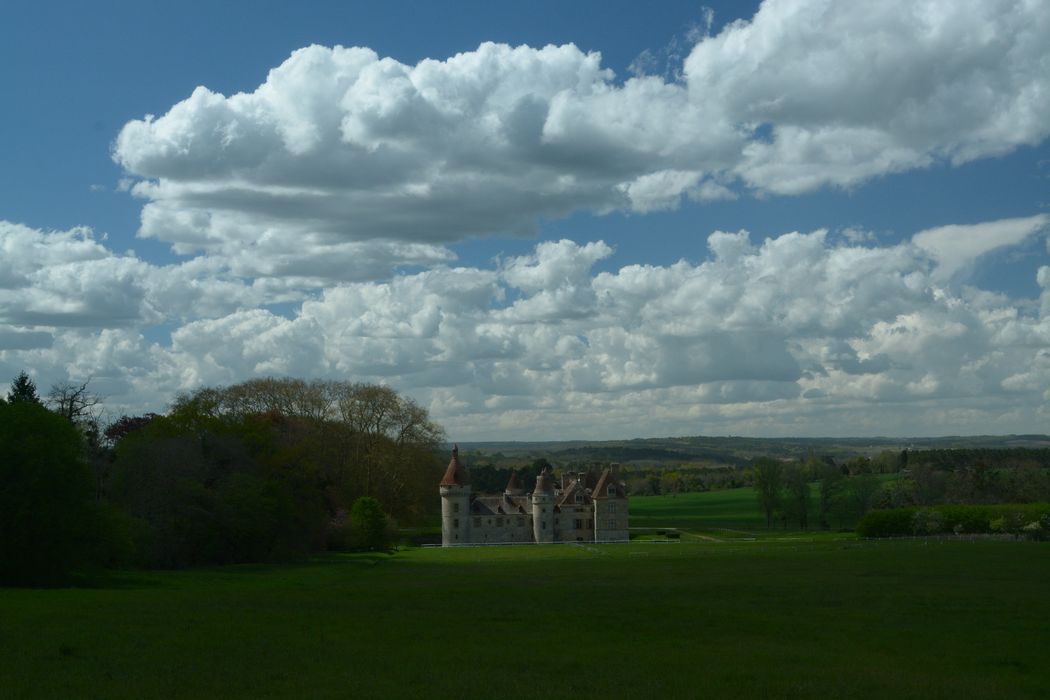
x=956 y=247
x=340 y=148
x=798 y=333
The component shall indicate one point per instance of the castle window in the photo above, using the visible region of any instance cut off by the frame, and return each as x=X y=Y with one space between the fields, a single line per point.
x=612 y=491
x=579 y=497
x=590 y=524
x=455 y=507
x=543 y=526
x=612 y=507
x=579 y=524
x=455 y=523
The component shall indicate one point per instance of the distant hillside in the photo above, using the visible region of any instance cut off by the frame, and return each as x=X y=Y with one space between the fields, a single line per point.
x=728 y=451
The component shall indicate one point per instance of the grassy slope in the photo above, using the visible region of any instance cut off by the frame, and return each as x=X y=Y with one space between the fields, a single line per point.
x=732 y=508
x=767 y=619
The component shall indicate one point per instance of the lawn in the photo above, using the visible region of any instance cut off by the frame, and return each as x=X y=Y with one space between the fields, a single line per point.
x=943 y=619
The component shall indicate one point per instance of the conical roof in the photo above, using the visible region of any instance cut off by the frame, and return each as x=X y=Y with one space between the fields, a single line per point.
x=456 y=474
x=514 y=484
x=544 y=482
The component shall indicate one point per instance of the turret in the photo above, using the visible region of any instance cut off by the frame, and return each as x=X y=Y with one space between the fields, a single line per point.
x=543 y=508
x=610 y=509
x=514 y=487
x=455 y=503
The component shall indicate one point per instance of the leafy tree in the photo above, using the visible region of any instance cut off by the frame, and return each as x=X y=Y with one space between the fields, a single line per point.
x=831 y=482
x=23 y=389
x=125 y=425
x=368 y=523
x=796 y=501
x=206 y=490
x=856 y=498
x=363 y=439
x=48 y=522
x=767 y=478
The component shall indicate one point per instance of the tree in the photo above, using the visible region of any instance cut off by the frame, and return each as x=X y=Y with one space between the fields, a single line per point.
x=767 y=478
x=368 y=524
x=74 y=402
x=126 y=425
x=796 y=494
x=23 y=389
x=831 y=479
x=48 y=522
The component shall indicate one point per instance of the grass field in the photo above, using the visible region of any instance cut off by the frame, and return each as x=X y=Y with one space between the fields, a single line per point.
x=701 y=512
x=907 y=619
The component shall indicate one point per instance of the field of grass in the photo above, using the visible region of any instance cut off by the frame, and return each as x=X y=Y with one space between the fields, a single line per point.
x=944 y=619
x=706 y=511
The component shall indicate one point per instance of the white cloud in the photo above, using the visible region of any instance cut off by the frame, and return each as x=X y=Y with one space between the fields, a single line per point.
x=957 y=247
x=342 y=155
x=797 y=334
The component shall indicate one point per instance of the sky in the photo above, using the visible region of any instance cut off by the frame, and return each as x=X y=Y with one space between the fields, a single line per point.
x=544 y=220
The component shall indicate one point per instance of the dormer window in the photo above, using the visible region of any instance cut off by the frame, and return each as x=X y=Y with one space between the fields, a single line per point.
x=612 y=491
x=579 y=497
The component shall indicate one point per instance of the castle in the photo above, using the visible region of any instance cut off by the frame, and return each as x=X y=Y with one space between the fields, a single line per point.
x=586 y=508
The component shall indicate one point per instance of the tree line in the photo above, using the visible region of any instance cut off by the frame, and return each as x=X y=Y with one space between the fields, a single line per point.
x=268 y=469
x=845 y=492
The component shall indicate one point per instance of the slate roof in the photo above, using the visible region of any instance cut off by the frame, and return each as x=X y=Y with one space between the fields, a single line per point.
x=568 y=496
x=607 y=479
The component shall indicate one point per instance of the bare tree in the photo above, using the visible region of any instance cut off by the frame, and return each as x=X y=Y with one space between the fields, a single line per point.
x=75 y=402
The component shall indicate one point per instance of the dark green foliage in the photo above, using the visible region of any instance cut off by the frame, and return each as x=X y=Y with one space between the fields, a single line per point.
x=831 y=486
x=205 y=491
x=125 y=425
x=1009 y=457
x=796 y=499
x=368 y=525
x=954 y=519
x=894 y=522
x=48 y=521
x=23 y=389
x=768 y=477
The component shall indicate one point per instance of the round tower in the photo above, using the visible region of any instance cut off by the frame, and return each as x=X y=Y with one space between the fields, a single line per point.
x=455 y=503
x=543 y=508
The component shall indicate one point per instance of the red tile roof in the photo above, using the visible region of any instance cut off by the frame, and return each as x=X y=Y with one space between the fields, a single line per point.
x=456 y=474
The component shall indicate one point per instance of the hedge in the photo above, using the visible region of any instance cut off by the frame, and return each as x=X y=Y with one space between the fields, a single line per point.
x=1030 y=519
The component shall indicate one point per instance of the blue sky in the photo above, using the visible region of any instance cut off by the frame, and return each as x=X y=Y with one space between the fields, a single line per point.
x=799 y=218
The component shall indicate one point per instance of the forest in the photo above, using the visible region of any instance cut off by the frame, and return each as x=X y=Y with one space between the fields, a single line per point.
x=264 y=470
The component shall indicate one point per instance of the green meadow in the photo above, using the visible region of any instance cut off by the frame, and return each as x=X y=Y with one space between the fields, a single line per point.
x=778 y=616
x=707 y=511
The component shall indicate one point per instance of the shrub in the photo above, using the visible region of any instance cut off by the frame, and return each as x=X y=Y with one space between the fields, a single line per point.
x=368 y=525
x=895 y=522
x=958 y=519
x=927 y=521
